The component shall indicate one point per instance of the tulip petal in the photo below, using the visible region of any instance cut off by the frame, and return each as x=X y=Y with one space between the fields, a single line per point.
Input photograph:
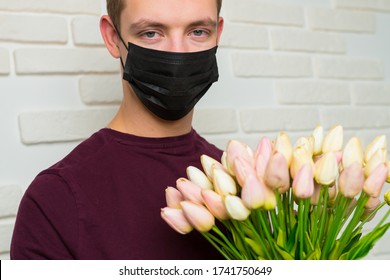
x=198 y=216
x=175 y=219
x=173 y=197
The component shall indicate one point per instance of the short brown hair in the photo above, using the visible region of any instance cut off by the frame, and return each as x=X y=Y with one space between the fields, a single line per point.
x=115 y=8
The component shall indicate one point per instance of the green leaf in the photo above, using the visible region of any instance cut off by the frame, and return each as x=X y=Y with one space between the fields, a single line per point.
x=292 y=239
x=280 y=240
x=314 y=255
x=255 y=247
x=285 y=255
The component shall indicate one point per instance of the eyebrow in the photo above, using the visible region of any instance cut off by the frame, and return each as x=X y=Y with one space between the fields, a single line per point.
x=146 y=23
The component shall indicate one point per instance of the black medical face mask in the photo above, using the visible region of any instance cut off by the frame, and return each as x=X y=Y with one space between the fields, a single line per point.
x=169 y=84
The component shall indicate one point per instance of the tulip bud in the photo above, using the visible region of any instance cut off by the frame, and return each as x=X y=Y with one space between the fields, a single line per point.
x=353 y=152
x=252 y=193
x=189 y=190
x=269 y=199
x=175 y=219
x=351 y=180
x=374 y=183
x=243 y=169
x=307 y=143
x=236 y=208
x=333 y=141
x=300 y=157
x=235 y=149
x=215 y=204
x=224 y=160
x=224 y=184
x=371 y=204
x=198 y=216
x=316 y=194
x=326 y=169
x=380 y=156
x=387 y=197
x=378 y=143
x=173 y=197
x=303 y=183
x=264 y=148
x=283 y=146
x=261 y=165
x=318 y=135
x=277 y=175
x=197 y=176
x=207 y=164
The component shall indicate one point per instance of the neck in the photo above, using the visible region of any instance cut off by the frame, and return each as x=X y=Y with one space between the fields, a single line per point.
x=134 y=118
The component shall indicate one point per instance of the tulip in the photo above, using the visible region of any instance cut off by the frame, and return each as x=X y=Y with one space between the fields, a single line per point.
x=242 y=168
x=198 y=216
x=371 y=204
x=333 y=141
x=380 y=142
x=224 y=160
x=234 y=149
x=388 y=174
x=175 y=219
x=189 y=190
x=303 y=183
x=277 y=175
x=197 y=176
x=264 y=148
x=318 y=135
x=215 y=204
x=224 y=184
x=353 y=152
x=252 y=193
x=316 y=194
x=332 y=193
x=269 y=198
x=380 y=156
x=387 y=197
x=283 y=146
x=261 y=165
x=326 y=169
x=374 y=183
x=236 y=208
x=173 y=197
x=300 y=157
x=351 y=180
x=305 y=142
x=208 y=163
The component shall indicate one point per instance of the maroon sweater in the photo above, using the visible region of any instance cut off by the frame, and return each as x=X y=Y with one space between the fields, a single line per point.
x=103 y=201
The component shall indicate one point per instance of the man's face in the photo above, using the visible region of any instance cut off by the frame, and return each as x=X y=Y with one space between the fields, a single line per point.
x=171 y=25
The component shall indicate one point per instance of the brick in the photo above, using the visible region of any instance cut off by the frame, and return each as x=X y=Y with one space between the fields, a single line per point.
x=64 y=61
x=279 y=119
x=53 y=6
x=86 y=31
x=4 y=62
x=62 y=126
x=9 y=200
x=215 y=121
x=264 y=12
x=371 y=93
x=349 y=68
x=244 y=36
x=37 y=29
x=6 y=230
x=101 y=89
x=356 y=117
x=339 y=20
x=251 y=64
x=374 y=5
x=307 y=41
x=312 y=92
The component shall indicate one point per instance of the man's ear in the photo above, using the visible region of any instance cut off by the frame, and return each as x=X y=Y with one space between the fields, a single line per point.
x=110 y=36
x=219 y=28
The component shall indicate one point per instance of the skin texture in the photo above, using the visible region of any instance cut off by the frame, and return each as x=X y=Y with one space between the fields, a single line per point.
x=154 y=24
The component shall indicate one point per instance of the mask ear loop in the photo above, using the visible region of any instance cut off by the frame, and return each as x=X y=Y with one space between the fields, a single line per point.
x=123 y=42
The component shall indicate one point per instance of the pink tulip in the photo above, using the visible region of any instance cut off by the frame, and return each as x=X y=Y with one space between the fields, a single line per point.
x=380 y=142
x=173 y=197
x=353 y=152
x=261 y=165
x=198 y=216
x=316 y=194
x=252 y=193
x=371 y=204
x=351 y=180
x=234 y=149
x=303 y=184
x=277 y=174
x=175 y=219
x=300 y=157
x=243 y=169
x=374 y=183
x=264 y=148
x=215 y=204
x=189 y=190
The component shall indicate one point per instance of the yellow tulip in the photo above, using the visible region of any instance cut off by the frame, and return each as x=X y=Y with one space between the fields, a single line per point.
x=207 y=164
x=387 y=197
x=198 y=216
x=333 y=141
x=380 y=156
x=236 y=208
x=379 y=142
x=318 y=135
x=300 y=157
x=198 y=177
x=353 y=152
x=307 y=143
x=175 y=219
x=224 y=184
x=283 y=146
x=326 y=169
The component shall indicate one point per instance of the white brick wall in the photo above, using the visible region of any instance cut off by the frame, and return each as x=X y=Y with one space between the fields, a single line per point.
x=285 y=65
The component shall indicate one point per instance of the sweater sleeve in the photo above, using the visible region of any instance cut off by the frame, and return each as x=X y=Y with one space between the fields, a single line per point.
x=47 y=221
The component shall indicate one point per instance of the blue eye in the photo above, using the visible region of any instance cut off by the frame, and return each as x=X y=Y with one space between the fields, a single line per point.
x=150 y=34
x=199 y=32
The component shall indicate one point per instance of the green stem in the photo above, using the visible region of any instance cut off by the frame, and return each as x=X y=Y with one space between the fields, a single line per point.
x=208 y=235
x=274 y=223
x=237 y=254
x=281 y=214
x=301 y=228
x=268 y=236
x=325 y=194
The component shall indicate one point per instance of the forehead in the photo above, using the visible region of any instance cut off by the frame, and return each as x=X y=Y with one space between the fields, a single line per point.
x=169 y=11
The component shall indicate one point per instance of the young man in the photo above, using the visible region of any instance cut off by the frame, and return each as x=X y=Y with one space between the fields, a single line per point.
x=103 y=200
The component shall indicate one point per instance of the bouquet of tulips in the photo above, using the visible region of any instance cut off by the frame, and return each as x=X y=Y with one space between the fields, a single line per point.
x=308 y=201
